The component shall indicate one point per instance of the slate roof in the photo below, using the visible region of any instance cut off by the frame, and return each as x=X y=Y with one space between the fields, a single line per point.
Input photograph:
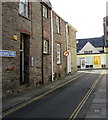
x=96 y=42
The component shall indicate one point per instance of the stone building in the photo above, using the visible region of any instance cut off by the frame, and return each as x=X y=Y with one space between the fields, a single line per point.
x=41 y=43
x=16 y=37
x=72 y=48
x=35 y=41
x=59 y=29
x=105 y=24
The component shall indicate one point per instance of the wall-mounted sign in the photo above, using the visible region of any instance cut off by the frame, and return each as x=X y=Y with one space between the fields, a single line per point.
x=6 y=53
x=15 y=37
x=66 y=53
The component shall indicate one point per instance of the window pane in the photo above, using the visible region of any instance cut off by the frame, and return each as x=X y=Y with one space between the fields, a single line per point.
x=103 y=60
x=89 y=61
x=58 y=24
x=58 y=54
x=26 y=11
x=45 y=10
x=45 y=46
x=21 y=8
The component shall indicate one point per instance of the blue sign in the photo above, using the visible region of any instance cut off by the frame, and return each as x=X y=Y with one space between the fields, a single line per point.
x=6 y=53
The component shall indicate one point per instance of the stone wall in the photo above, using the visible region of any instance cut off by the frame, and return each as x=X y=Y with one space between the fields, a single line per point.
x=10 y=27
x=47 y=57
x=36 y=44
x=72 y=45
x=38 y=65
x=59 y=69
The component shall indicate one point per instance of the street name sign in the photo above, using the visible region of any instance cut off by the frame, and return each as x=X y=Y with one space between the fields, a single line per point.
x=6 y=53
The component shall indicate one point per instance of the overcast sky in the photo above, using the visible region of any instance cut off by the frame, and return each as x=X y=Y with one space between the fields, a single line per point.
x=85 y=15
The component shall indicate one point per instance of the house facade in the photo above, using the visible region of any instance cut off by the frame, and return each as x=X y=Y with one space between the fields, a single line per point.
x=105 y=26
x=38 y=46
x=90 y=53
x=64 y=47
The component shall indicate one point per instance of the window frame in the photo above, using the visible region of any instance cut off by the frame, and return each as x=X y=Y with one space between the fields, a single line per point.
x=25 y=10
x=45 y=11
x=58 y=24
x=45 y=47
x=58 y=53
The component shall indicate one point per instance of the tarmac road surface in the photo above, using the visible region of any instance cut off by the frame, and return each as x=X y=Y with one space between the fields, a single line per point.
x=69 y=101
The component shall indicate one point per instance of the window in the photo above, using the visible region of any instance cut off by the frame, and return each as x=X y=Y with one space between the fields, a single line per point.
x=23 y=7
x=58 y=24
x=45 y=12
x=89 y=61
x=45 y=47
x=97 y=60
x=67 y=29
x=58 y=53
x=87 y=52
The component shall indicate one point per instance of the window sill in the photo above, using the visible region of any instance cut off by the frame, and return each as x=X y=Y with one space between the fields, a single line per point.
x=58 y=33
x=59 y=63
x=24 y=17
x=46 y=54
x=45 y=17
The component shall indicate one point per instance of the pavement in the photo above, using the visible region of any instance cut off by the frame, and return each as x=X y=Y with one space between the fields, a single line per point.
x=97 y=110
x=99 y=104
x=26 y=95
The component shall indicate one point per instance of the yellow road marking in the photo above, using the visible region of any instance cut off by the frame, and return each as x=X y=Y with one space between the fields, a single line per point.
x=77 y=110
x=36 y=98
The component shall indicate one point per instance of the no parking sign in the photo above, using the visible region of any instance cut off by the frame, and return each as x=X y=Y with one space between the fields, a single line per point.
x=66 y=53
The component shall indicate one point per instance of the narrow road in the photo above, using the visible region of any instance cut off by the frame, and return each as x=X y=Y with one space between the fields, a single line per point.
x=70 y=101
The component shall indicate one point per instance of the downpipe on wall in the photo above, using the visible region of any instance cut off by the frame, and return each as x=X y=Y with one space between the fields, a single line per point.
x=52 y=47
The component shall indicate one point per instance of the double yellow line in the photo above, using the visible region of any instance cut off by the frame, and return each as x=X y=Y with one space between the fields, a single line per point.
x=77 y=110
x=36 y=98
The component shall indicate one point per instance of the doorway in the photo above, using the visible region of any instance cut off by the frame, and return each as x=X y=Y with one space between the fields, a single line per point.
x=24 y=58
x=83 y=65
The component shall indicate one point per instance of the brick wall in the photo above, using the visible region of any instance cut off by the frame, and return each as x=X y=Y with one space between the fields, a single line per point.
x=72 y=45
x=36 y=44
x=59 y=69
x=15 y=24
x=12 y=26
x=47 y=57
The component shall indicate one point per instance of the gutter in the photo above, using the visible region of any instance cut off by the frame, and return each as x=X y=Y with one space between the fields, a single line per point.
x=67 y=46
